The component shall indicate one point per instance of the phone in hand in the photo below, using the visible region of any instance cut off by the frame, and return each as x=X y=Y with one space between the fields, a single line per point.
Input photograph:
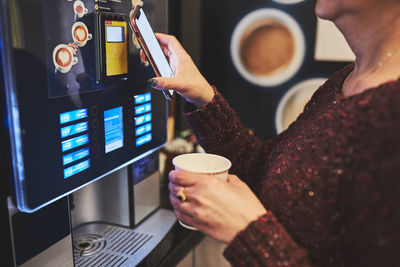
x=152 y=49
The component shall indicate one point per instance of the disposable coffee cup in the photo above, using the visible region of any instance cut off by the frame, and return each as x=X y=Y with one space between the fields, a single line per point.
x=267 y=47
x=204 y=163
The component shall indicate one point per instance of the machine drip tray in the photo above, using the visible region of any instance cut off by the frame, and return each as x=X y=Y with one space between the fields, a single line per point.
x=101 y=244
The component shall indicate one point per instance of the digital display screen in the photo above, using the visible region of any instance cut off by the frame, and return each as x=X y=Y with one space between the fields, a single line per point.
x=74 y=129
x=68 y=172
x=74 y=142
x=154 y=47
x=140 y=99
x=77 y=155
x=144 y=139
x=142 y=119
x=143 y=129
x=143 y=109
x=113 y=129
x=73 y=115
x=115 y=34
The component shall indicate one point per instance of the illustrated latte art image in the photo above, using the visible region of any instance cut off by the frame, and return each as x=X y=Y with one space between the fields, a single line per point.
x=63 y=57
x=79 y=9
x=80 y=34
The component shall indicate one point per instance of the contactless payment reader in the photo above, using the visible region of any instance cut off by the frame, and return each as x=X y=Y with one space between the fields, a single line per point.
x=112 y=46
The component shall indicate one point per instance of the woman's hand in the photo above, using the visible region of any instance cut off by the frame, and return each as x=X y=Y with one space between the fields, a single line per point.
x=218 y=208
x=187 y=81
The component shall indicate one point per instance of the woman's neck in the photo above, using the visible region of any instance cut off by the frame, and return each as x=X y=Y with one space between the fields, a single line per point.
x=371 y=35
x=374 y=37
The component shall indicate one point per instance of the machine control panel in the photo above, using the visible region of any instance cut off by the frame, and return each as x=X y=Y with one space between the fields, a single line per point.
x=79 y=108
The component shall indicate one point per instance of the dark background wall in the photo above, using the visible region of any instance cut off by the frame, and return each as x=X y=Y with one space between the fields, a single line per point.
x=205 y=30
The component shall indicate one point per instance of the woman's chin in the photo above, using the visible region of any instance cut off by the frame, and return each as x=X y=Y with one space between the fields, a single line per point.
x=325 y=10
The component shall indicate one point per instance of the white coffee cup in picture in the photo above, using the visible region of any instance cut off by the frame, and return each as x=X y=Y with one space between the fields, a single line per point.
x=80 y=33
x=204 y=163
x=63 y=58
x=288 y=2
x=267 y=47
x=79 y=8
x=293 y=102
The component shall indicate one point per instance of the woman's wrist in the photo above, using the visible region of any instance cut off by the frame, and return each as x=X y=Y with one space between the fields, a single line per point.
x=206 y=98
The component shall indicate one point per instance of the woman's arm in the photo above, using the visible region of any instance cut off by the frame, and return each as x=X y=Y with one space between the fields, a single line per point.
x=214 y=122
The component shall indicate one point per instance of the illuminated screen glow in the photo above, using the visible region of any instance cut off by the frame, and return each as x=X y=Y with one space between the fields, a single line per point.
x=74 y=129
x=77 y=155
x=113 y=129
x=73 y=115
x=144 y=139
x=115 y=34
x=154 y=47
x=142 y=119
x=143 y=129
x=68 y=172
x=74 y=142
x=142 y=109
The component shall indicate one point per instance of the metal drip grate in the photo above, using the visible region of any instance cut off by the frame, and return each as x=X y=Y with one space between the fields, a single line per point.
x=88 y=244
x=114 y=247
x=104 y=245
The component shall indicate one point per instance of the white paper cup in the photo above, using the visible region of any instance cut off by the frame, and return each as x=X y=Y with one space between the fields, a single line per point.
x=267 y=47
x=202 y=163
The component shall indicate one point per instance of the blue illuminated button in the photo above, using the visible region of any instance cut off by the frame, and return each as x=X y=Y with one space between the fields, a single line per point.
x=142 y=119
x=144 y=139
x=143 y=129
x=68 y=172
x=140 y=99
x=143 y=109
x=74 y=142
x=73 y=115
x=74 y=129
x=77 y=155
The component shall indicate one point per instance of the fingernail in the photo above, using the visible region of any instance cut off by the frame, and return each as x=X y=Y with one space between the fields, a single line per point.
x=152 y=82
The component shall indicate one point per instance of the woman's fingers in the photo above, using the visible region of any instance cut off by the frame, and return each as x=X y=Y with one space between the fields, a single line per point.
x=161 y=83
x=169 y=41
x=184 y=178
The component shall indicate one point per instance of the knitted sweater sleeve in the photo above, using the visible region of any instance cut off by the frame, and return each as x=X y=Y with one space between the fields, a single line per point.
x=265 y=242
x=219 y=131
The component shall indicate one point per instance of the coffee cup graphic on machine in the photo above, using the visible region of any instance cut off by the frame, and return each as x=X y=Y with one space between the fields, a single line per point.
x=80 y=34
x=79 y=8
x=63 y=58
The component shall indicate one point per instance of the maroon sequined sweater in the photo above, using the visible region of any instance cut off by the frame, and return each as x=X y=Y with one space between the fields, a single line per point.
x=330 y=182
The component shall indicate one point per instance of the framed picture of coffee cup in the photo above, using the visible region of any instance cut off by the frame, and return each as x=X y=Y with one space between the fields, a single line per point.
x=256 y=51
x=267 y=47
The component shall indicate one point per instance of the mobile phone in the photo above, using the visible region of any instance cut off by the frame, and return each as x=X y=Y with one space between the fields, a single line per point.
x=152 y=49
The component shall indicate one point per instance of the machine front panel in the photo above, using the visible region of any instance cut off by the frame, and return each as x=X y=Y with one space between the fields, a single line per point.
x=82 y=107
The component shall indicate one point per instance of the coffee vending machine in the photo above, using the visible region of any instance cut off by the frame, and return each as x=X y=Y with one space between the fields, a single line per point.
x=80 y=135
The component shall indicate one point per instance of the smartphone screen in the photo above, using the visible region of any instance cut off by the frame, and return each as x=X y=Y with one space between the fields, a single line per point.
x=153 y=46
